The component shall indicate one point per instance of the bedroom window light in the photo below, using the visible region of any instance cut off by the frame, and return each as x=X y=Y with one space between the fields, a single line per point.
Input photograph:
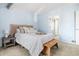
x=54 y=24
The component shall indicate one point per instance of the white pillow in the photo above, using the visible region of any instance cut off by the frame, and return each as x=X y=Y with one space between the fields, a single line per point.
x=18 y=30
x=21 y=29
x=32 y=30
x=26 y=29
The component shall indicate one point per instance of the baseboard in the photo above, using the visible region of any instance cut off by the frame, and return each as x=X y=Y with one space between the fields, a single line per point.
x=70 y=42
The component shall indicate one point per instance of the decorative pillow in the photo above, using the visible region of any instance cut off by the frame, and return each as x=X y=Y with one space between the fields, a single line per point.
x=21 y=30
x=26 y=29
x=18 y=30
x=32 y=30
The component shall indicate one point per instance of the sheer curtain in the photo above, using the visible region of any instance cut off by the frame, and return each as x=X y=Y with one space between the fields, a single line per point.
x=54 y=24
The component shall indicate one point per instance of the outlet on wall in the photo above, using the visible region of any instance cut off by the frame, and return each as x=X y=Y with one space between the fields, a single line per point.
x=73 y=41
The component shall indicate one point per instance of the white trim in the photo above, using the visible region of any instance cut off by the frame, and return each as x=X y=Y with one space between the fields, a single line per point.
x=66 y=41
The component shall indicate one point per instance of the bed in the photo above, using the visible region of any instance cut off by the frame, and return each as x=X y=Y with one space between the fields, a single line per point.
x=35 y=42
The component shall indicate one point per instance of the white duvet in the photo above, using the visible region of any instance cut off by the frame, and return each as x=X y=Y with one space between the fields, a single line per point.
x=34 y=43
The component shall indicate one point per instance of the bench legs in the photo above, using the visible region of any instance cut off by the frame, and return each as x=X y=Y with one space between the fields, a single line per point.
x=46 y=51
x=56 y=45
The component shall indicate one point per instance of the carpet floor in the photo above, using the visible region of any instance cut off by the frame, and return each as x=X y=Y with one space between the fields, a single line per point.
x=64 y=49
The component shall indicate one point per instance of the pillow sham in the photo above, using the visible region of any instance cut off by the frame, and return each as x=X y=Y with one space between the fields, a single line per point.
x=26 y=29
x=18 y=30
x=32 y=30
x=21 y=30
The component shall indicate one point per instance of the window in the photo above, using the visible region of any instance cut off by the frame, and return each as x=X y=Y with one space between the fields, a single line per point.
x=54 y=24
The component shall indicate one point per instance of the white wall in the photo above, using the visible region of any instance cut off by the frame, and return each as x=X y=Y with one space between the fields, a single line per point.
x=66 y=14
x=8 y=17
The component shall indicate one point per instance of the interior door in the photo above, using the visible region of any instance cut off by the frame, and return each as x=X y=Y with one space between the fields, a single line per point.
x=77 y=27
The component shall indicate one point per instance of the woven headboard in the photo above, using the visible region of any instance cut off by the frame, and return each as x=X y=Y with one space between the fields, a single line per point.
x=13 y=27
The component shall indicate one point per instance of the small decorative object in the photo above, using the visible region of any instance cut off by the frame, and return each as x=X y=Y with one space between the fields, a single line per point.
x=5 y=33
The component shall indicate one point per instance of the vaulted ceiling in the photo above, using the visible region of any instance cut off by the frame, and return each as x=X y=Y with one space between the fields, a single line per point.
x=34 y=7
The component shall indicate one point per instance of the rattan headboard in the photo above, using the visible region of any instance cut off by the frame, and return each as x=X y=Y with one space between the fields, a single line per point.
x=13 y=27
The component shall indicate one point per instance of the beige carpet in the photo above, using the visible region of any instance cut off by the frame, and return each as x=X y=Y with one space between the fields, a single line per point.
x=66 y=49
x=63 y=50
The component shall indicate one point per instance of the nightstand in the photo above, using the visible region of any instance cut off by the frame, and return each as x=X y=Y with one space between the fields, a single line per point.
x=8 y=41
x=0 y=42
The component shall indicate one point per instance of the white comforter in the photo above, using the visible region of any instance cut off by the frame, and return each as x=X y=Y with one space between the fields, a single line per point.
x=34 y=43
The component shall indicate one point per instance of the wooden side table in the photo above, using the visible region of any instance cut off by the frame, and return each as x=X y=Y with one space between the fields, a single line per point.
x=8 y=41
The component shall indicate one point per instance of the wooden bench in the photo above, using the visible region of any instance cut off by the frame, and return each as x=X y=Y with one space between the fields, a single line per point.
x=48 y=45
